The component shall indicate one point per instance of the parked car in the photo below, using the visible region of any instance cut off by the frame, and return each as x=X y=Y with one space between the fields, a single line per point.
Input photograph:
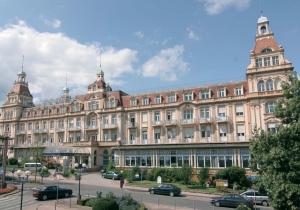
x=232 y=200
x=111 y=175
x=165 y=189
x=49 y=192
x=256 y=197
x=32 y=166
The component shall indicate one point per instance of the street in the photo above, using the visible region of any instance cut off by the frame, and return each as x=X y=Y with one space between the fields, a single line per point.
x=93 y=183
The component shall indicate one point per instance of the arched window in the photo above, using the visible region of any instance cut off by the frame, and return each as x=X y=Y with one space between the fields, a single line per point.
x=95 y=158
x=270 y=85
x=263 y=29
x=261 y=86
x=277 y=84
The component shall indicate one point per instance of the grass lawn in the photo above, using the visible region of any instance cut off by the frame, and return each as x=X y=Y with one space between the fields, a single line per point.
x=188 y=188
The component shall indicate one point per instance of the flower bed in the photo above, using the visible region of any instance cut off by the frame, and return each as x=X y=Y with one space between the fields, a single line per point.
x=9 y=189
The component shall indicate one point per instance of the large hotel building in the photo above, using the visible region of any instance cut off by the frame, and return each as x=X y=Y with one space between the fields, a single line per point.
x=208 y=126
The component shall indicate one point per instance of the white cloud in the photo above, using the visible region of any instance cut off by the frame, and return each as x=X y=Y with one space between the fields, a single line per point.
x=54 y=23
x=192 y=34
x=139 y=34
x=168 y=64
x=214 y=7
x=49 y=56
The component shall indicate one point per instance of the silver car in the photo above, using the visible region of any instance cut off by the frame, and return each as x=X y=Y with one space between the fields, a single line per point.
x=256 y=197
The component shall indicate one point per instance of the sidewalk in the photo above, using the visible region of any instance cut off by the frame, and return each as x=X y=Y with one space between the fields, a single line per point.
x=63 y=204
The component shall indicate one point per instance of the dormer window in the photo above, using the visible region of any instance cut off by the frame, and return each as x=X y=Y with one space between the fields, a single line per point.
x=133 y=102
x=222 y=92
x=188 y=96
x=172 y=98
x=205 y=94
x=266 y=50
x=145 y=101
x=158 y=99
x=111 y=103
x=267 y=61
x=238 y=91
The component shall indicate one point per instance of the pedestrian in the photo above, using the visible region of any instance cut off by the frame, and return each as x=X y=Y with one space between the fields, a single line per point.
x=121 y=181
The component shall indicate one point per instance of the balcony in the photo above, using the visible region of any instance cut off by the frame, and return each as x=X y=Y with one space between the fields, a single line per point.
x=91 y=127
x=40 y=130
x=60 y=129
x=81 y=143
x=188 y=121
x=157 y=123
x=132 y=125
x=171 y=122
x=74 y=128
x=109 y=143
x=157 y=141
x=221 y=119
x=205 y=120
x=21 y=132
x=109 y=126
x=188 y=139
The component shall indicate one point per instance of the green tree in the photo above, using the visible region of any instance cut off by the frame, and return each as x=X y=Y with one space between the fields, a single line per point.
x=203 y=176
x=234 y=174
x=276 y=156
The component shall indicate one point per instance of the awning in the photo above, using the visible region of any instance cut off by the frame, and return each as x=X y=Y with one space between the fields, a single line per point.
x=64 y=151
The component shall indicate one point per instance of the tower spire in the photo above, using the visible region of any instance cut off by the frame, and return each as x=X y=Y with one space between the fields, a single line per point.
x=22 y=64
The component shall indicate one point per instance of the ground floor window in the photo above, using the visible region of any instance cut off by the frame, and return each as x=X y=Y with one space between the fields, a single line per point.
x=214 y=161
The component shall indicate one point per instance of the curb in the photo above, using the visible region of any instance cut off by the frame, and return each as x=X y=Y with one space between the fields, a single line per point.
x=11 y=193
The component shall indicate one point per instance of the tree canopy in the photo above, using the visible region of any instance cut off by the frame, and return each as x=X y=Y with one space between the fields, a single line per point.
x=276 y=156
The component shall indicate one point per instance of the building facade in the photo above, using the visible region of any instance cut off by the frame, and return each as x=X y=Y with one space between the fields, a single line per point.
x=207 y=126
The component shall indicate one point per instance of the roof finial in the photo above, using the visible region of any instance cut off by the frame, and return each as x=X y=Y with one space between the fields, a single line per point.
x=23 y=64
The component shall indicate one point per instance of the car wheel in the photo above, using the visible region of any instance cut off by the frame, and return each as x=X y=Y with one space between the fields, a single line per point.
x=265 y=203
x=44 y=197
x=217 y=204
x=67 y=195
x=152 y=192
x=172 y=194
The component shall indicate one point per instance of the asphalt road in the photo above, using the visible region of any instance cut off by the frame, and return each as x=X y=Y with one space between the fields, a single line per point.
x=153 y=202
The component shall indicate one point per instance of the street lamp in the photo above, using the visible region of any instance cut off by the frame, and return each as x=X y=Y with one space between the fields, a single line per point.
x=78 y=176
x=19 y=174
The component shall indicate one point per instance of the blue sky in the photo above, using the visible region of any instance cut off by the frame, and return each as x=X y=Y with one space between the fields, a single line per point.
x=145 y=45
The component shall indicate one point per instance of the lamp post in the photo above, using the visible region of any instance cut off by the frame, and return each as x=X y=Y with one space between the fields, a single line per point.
x=19 y=174
x=78 y=166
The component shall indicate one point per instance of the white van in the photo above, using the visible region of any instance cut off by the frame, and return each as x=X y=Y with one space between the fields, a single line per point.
x=32 y=166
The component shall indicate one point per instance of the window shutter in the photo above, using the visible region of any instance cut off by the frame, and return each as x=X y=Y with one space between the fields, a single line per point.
x=239 y=108
x=240 y=128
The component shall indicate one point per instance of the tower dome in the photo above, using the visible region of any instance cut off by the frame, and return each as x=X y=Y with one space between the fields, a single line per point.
x=262 y=19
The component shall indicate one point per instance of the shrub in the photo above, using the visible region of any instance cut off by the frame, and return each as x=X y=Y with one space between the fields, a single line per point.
x=203 y=176
x=234 y=175
x=186 y=174
x=91 y=202
x=105 y=204
x=13 y=161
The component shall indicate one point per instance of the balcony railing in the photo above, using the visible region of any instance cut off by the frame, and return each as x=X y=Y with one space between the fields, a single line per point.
x=132 y=125
x=91 y=127
x=205 y=120
x=157 y=123
x=74 y=128
x=40 y=130
x=171 y=122
x=21 y=132
x=81 y=143
x=222 y=118
x=188 y=121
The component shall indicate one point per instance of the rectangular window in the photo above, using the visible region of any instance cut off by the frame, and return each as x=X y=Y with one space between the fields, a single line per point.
x=204 y=113
x=221 y=161
x=258 y=62
x=205 y=131
x=239 y=110
x=270 y=107
x=275 y=60
x=200 y=161
x=223 y=132
x=156 y=117
x=144 y=117
x=240 y=129
x=161 y=161
x=188 y=96
x=221 y=111
x=113 y=119
x=171 y=132
x=157 y=135
x=267 y=61
x=188 y=114
x=272 y=128
x=144 y=136
x=245 y=161
x=207 y=162
x=172 y=98
x=228 y=161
